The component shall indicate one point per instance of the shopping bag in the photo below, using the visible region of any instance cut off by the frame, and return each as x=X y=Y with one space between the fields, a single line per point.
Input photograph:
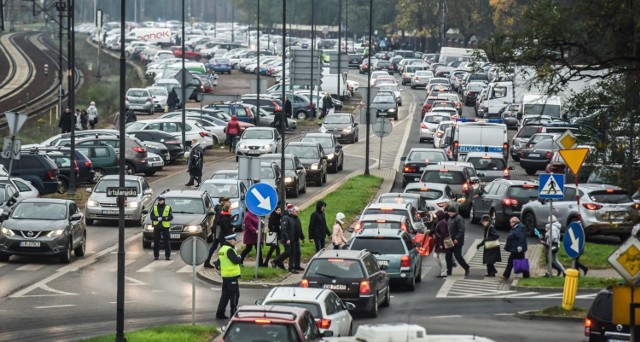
x=427 y=243
x=520 y=265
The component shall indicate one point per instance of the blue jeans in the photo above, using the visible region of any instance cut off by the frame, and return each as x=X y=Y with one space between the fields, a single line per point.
x=319 y=243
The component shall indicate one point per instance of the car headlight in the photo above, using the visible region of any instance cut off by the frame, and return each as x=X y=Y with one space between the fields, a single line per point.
x=242 y=146
x=132 y=204
x=331 y=156
x=235 y=205
x=314 y=166
x=323 y=130
x=347 y=129
x=288 y=179
x=391 y=110
x=6 y=231
x=193 y=229
x=92 y=203
x=266 y=147
x=56 y=233
x=148 y=228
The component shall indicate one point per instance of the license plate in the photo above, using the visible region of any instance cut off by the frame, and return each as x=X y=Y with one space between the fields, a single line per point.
x=175 y=236
x=253 y=152
x=614 y=215
x=383 y=262
x=29 y=243
x=339 y=287
x=534 y=155
x=110 y=212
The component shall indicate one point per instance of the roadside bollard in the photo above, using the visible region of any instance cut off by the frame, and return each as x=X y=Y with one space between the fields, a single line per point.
x=570 y=289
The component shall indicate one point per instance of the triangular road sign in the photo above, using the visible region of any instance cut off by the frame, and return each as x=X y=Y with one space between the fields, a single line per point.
x=15 y=121
x=574 y=158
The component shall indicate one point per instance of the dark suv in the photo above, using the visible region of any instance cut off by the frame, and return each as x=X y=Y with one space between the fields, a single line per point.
x=355 y=276
x=84 y=165
x=36 y=167
x=240 y=110
x=502 y=199
x=313 y=158
x=599 y=325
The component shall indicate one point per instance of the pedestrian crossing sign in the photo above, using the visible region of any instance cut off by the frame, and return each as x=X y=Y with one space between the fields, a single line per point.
x=551 y=186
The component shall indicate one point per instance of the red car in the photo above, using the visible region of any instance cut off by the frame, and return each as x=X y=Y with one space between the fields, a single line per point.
x=188 y=54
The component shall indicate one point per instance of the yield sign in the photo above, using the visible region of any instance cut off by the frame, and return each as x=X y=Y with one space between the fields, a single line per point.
x=574 y=158
x=15 y=121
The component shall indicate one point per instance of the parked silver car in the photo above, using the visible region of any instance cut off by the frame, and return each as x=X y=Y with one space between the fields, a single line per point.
x=139 y=100
x=102 y=207
x=256 y=141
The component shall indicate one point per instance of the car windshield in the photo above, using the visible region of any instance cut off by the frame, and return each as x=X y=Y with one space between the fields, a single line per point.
x=436 y=118
x=158 y=91
x=220 y=190
x=103 y=184
x=475 y=88
x=543 y=109
x=426 y=193
x=266 y=172
x=432 y=156
x=288 y=162
x=338 y=119
x=443 y=177
x=40 y=211
x=313 y=308
x=335 y=268
x=324 y=142
x=487 y=164
x=384 y=99
x=387 y=88
x=302 y=152
x=610 y=196
x=527 y=131
x=137 y=93
x=377 y=245
x=525 y=191
x=257 y=134
x=251 y=332
x=547 y=144
x=3 y=195
x=385 y=211
x=185 y=205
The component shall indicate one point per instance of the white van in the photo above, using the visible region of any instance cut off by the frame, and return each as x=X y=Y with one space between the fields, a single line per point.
x=330 y=85
x=453 y=54
x=535 y=104
x=480 y=137
x=402 y=332
x=499 y=94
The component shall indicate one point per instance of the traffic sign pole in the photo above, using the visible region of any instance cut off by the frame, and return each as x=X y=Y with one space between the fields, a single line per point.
x=549 y=241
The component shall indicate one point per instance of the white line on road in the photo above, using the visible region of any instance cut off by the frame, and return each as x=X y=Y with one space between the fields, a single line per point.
x=405 y=138
x=156 y=265
x=54 y=306
x=216 y=289
x=30 y=267
x=504 y=314
x=134 y=282
x=126 y=301
x=448 y=316
x=425 y=271
x=186 y=269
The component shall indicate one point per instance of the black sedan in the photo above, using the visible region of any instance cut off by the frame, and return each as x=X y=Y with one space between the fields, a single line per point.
x=502 y=199
x=537 y=157
x=385 y=104
x=173 y=145
x=342 y=126
x=44 y=227
x=415 y=162
x=313 y=158
x=355 y=60
x=335 y=154
x=295 y=174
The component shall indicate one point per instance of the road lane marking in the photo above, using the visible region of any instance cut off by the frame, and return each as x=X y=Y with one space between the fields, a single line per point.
x=30 y=267
x=405 y=138
x=54 y=306
x=113 y=267
x=78 y=264
x=425 y=271
x=185 y=269
x=126 y=301
x=134 y=282
x=155 y=265
x=447 y=316
x=505 y=314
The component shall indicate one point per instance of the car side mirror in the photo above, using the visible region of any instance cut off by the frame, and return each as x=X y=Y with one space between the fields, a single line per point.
x=356 y=123
x=235 y=217
x=148 y=192
x=89 y=190
x=338 y=147
x=327 y=333
x=350 y=306
x=259 y=301
x=76 y=217
x=479 y=175
x=4 y=216
x=511 y=168
x=541 y=200
x=475 y=180
x=145 y=212
x=299 y=168
x=403 y=158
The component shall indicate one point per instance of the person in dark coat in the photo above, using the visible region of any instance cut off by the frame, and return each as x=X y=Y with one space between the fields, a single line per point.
x=327 y=105
x=130 y=116
x=318 y=226
x=274 y=228
x=286 y=235
x=195 y=163
x=288 y=108
x=277 y=121
x=439 y=233
x=516 y=245
x=67 y=120
x=250 y=235
x=215 y=230
x=456 y=229
x=84 y=120
x=490 y=255
x=226 y=223
x=298 y=238
x=172 y=100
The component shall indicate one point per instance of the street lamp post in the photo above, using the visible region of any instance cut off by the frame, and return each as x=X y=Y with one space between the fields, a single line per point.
x=366 y=165
x=71 y=187
x=184 y=81
x=339 y=45
x=258 y=59
x=284 y=116
x=120 y=199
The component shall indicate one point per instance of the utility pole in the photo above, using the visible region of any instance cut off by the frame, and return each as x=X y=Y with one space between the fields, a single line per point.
x=283 y=122
x=339 y=46
x=366 y=161
x=442 y=13
x=72 y=89
x=61 y=6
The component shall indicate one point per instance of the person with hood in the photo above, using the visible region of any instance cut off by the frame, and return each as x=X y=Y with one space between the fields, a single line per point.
x=84 y=120
x=274 y=229
x=92 y=113
x=67 y=120
x=277 y=121
x=298 y=238
x=327 y=105
x=233 y=130
x=440 y=232
x=555 y=243
x=318 y=226
x=286 y=235
x=217 y=209
x=456 y=229
x=130 y=116
x=172 y=100
x=491 y=253
x=250 y=236
x=338 y=239
x=516 y=245
x=288 y=108
x=195 y=163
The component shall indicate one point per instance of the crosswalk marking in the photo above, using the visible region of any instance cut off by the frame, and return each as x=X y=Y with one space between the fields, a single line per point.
x=156 y=265
x=30 y=267
x=186 y=269
x=113 y=266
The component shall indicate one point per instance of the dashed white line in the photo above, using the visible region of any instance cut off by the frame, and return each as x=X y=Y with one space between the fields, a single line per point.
x=30 y=267
x=447 y=316
x=55 y=306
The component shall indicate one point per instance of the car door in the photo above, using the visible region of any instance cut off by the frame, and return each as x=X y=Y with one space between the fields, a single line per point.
x=414 y=255
x=147 y=194
x=479 y=200
x=74 y=225
x=376 y=276
x=323 y=158
x=497 y=194
x=564 y=207
x=300 y=171
x=337 y=313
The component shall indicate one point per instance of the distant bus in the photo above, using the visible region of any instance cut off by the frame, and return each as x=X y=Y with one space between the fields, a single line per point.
x=451 y=54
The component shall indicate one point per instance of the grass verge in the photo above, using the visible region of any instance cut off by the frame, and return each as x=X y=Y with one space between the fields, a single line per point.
x=195 y=333
x=558 y=311
x=265 y=273
x=587 y=282
x=595 y=256
x=350 y=198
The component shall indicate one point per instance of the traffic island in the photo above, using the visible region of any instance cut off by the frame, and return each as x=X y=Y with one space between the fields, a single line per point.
x=192 y=333
x=554 y=313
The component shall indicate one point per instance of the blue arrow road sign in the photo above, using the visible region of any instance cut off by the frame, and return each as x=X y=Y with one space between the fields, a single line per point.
x=261 y=199
x=551 y=186
x=574 y=240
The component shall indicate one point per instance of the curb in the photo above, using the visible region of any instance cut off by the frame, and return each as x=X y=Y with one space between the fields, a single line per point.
x=529 y=315
x=515 y=287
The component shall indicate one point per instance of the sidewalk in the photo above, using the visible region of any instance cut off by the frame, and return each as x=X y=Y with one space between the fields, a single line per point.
x=213 y=276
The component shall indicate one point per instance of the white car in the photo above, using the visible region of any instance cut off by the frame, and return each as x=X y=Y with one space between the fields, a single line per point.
x=193 y=130
x=434 y=194
x=430 y=123
x=329 y=311
x=421 y=78
x=214 y=125
x=376 y=74
x=26 y=189
x=256 y=141
x=159 y=95
x=438 y=139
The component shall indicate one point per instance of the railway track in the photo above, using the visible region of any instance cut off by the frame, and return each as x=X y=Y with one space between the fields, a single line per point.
x=36 y=93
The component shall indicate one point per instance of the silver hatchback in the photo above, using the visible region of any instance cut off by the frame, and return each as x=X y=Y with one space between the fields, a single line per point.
x=140 y=100
x=100 y=206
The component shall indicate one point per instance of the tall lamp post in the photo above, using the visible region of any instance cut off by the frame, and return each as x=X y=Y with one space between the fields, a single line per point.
x=339 y=45
x=284 y=117
x=366 y=165
x=71 y=187
x=120 y=199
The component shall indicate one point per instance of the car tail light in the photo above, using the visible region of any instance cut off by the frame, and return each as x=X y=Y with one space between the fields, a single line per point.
x=75 y=162
x=149 y=99
x=323 y=323
x=592 y=206
x=439 y=134
x=365 y=287
x=405 y=261
x=441 y=204
x=415 y=78
x=304 y=283
x=465 y=187
x=587 y=327
x=262 y=321
x=172 y=142
x=636 y=206
x=139 y=149
x=276 y=107
x=423 y=125
x=510 y=202
x=505 y=173
x=403 y=226
x=409 y=169
x=549 y=154
x=204 y=134
x=87 y=163
x=358 y=227
x=51 y=174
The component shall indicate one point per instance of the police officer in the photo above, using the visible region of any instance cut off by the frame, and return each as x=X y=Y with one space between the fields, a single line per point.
x=230 y=272
x=161 y=217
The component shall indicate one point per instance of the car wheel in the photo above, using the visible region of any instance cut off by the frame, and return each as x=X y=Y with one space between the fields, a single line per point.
x=354 y=138
x=515 y=157
x=357 y=137
x=413 y=87
x=66 y=257
x=374 y=312
x=411 y=284
x=421 y=140
x=319 y=180
x=80 y=250
x=296 y=192
x=301 y=115
x=351 y=329
x=129 y=169
x=341 y=165
x=529 y=223
x=387 y=298
x=146 y=244
x=324 y=178
x=4 y=257
x=530 y=172
x=62 y=186
x=335 y=167
x=98 y=174
x=149 y=173
x=472 y=214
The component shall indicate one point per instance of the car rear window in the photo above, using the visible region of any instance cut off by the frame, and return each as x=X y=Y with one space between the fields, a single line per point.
x=436 y=118
x=527 y=191
x=610 y=196
x=379 y=211
x=313 y=308
x=375 y=245
x=443 y=177
x=527 y=131
x=254 y=331
x=335 y=268
x=487 y=164
x=381 y=224
x=429 y=194
x=433 y=156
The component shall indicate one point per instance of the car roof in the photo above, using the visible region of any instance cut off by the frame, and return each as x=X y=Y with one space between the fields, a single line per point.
x=426 y=149
x=387 y=205
x=320 y=135
x=386 y=232
x=449 y=167
x=278 y=312
x=277 y=155
x=126 y=177
x=292 y=293
x=46 y=200
x=222 y=181
x=339 y=253
x=399 y=194
x=303 y=143
x=516 y=182
x=596 y=187
x=453 y=163
x=420 y=185
x=226 y=171
x=386 y=217
x=184 y=193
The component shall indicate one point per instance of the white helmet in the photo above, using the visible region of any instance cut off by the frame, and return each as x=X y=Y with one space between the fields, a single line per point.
x=340 y=217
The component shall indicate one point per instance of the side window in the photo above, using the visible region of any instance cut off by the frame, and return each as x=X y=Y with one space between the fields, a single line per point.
x=10 y=191
x=29 y=163
x=569 y=194
x=86 y=151
x=330 y=305
x=371 y=264
x=154 y=126
x=145 y=185
x=101 y=152
x=472 y=172
x=207 y=203
x=314 y=333
x=489 y=187
x=407 y=241
x=22 y=186
x=73 y=209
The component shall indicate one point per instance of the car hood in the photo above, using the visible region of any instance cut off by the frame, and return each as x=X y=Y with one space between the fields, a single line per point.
x=336 y=126
x=101 y=197
x=256 y=142
x=383 y=106
x=290 y=173
x=183 y=219
x=308 y=162
x=34 y=225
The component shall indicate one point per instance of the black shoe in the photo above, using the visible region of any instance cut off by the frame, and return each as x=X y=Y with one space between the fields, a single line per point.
x=188 y=184
x=155 y=258
x=299 y=268
x=467 y=271
x=293 y=271
x=221 y=317
x=586 y=270
x=167 y=258
x=208 y=265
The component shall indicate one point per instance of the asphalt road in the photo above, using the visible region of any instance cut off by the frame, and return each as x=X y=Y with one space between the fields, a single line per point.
x=45 y=301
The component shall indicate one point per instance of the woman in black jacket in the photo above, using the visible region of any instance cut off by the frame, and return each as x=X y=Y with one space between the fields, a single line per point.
x=491 y=254
x=274 y=234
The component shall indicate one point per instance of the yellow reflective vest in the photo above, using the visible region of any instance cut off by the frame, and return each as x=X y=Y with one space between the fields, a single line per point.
x=165 y=212
x=227 y=268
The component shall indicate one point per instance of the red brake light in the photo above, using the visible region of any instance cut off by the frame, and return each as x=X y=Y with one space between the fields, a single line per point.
x=87 y=163
x=204 y=134
x=381 y=221
x=262 y=321
x=549 y=154
x=505 y=173
x=407 y=169
x=505 y=146
x=441 y=204
x=592 y=206
x=609 y=190
x=323 y=323
x=51 y=174
x=510 y=202
x=528 y=186
x=439 y=134
x=587 y=327
x=636 y=206
x=465 y=187
x=365 y=288
x=405 y=261
x=358 y=227
x=304 y=283
x=75 y=162
x=139 y=149
x=149 y=99
x=403 y=226
x=423 y=125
